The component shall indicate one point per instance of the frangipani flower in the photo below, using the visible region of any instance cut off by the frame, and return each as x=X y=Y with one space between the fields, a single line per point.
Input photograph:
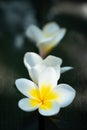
x=46 y=95
x=35 y=64
x=47 y=38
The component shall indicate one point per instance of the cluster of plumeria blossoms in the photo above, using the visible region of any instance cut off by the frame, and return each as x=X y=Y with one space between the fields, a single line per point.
x=43 y=92
x=47 y=38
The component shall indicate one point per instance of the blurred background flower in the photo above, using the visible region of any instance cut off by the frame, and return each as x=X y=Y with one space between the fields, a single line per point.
x=47 y=38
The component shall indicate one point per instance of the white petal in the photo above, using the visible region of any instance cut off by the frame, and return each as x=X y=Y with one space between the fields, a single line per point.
x=34 y=33
x=60 y=34
x=66 y=68
x=25 y=105
x=48 y=77
x=46 y=46
x=31 y=59
x=24 y=86
x=55 y=62
x=50 y=111
x=49 y=43
x=52 y=61
x=66 y=94
x=50 y=28
x=34 y=72
x=46 y=40
x=53 y=40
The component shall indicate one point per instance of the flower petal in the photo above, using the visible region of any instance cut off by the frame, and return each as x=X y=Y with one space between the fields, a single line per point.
x=24 y=86
x=50 y=28
x=34 y=72
x=50 y=109
x=55 y=62
x=66 y=94
x=46 y=46
x=47 y=77
x=60 y=34
x=26 y=105
x=34 y=33
x=46 y=40
x=66 y=68
x=52 y=61
x=31 y=59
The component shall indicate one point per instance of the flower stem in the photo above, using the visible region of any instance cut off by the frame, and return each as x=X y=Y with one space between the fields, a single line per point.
x=41 y=122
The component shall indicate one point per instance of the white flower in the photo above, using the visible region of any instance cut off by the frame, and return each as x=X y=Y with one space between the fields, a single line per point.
x=47 y=38
x=35 y=64
x=46 y=95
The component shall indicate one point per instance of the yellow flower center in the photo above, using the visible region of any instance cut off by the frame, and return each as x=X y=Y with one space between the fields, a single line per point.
x=43 y=96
